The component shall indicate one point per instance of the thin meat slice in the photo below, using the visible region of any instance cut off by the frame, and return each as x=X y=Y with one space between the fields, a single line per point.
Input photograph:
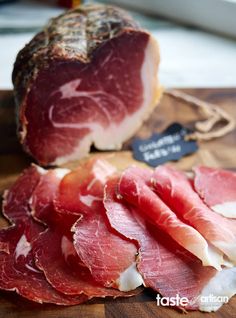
x=164 y=265
x=81 y=188
x=18 y=271
x=177 y=191
x=41 y=201
x=134 y=188
x=89 y=77
x=16 y=199
x=217 y=188
x=105 y=253
x=109 y=257
x=63 y=268
x=59 y=261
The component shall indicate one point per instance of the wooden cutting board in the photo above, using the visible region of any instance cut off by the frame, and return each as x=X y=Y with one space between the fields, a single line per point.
x=215 y=153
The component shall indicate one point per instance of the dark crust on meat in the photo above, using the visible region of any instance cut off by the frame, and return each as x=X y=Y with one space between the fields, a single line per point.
x=74 y=35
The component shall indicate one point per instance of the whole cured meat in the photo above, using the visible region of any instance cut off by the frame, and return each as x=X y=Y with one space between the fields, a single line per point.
x=217 y=188
x=59 y=260
x=177 y=191
x=134 y=187
x=164 y=265
x=90 y=77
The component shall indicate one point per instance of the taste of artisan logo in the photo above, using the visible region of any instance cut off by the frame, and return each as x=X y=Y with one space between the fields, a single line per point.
x=178 y=301
x=172 y=301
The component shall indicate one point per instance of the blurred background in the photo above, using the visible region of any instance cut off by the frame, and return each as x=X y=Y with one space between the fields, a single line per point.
x=197 y=37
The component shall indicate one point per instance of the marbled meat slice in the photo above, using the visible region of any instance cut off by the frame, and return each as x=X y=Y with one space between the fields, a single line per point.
x=134 y=187
x=217 y=188
x=104 y=252
x=18 y=270
x=63 y=268
x=90 y=77
x=41 y=201
x=59 y=261
x=81 y=188
x=177 y=191
x=16 y=199
x=110 y=258
x=164 y=265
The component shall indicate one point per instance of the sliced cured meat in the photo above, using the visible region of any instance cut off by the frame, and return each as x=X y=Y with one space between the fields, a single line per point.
x=41 y=202
x=107 y=255
x=63 y=268
x=164 y=265
x=18 y=271
x=83 y=187
x=59 y=260
x=104 y=252
x=134 y=188
x=16 y=199
x=176 y=190
x=17 y=267
x=90 y=77
x=217 y=188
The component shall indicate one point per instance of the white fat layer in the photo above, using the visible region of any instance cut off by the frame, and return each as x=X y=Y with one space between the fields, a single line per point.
x=23 y=247
x=67 y=247
x=209 y=254
x=41 y=170
x=88 y=199
x=60 y=173
x=69 y=89
x=129 y=279
x=216 y=258
x=227 y=209
x=32 y=269
x=102 y=170
x=222 y=286
x=79 y=152
x=112 y=137
x=228 y=248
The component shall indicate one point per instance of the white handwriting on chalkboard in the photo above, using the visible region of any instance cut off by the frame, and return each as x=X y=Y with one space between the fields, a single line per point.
x=164 y=141
x=161 y=152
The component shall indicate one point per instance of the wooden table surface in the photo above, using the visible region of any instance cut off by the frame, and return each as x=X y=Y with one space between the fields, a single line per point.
x=217 y=153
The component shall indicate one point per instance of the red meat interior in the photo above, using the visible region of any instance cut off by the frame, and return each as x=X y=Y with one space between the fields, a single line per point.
x=107 y=89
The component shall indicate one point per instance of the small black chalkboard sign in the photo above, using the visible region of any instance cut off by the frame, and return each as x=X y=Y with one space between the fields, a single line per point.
x=167 y=146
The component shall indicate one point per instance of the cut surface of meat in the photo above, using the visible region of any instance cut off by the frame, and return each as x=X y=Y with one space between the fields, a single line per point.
x=164 y=265
x=217 y=188
x=176 y=190
x=134 y=188
x=59 y=260
x=90 y=77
